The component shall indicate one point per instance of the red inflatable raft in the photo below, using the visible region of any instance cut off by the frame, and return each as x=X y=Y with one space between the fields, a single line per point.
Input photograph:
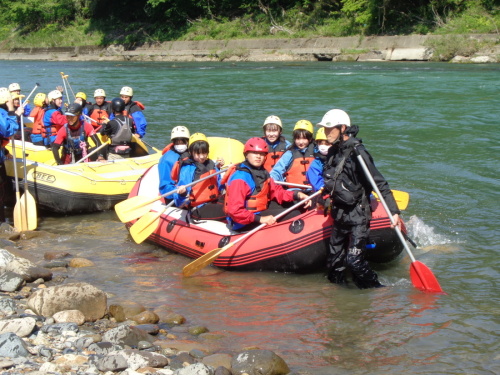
x=296 y=245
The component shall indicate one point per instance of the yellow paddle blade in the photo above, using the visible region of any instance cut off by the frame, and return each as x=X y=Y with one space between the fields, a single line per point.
x=402 y=198
x=204 y=260
x=146 y=225
x=25 y=213
x=134 y=207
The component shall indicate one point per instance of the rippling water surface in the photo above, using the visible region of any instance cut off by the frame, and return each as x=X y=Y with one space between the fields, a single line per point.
x=433 y=130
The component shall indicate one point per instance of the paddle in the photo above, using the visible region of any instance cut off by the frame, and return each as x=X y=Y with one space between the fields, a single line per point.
x=209 y=257
x=139 y=205
x=147 y=224
x=92 y=153
x=25 y=208
x=421 y=276
x=149 y=145
x=402 y=198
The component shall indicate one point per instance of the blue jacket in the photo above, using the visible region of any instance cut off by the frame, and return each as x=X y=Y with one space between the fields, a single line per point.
x=278 y=172
x=315 y=174
x=8 y=126
x=139 y=118
x=165 y=166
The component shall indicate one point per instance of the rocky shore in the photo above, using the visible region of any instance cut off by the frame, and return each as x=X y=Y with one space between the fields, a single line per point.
x=377 y=48
x=50 y=324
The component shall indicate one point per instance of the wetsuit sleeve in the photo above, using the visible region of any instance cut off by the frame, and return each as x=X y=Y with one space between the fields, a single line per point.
x=55 y=152
x=279 y=194
x=140 y=123
x=380 y=181
x=238 y=191
x=315 y=175
x=281 y=166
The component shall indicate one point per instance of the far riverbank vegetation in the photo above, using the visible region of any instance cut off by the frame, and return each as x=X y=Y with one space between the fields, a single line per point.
x=35 y=23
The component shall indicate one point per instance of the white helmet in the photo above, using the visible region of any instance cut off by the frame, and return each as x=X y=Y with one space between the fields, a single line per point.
x=54 y=94
x=335 y=117
x=99 y=92
x=127 y=91
x=14 y=87
x=179 y=132
x=4 y=95
x=273 y=120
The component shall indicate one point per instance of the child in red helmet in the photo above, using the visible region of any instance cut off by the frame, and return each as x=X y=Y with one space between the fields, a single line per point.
x=249 y=190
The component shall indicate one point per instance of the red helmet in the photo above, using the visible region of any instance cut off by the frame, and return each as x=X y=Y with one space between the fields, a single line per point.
x=256 y=144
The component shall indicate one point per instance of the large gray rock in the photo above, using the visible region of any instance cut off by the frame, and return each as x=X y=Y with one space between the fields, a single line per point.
x=78 y=296
x=196 y=369
x=7 y=306
x=12 y=346
x=23 y=267
x=258 y=362
x=10 y=281
x=127 y=335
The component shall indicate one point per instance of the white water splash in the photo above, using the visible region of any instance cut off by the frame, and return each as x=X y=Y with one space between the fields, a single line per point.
x=424 y=235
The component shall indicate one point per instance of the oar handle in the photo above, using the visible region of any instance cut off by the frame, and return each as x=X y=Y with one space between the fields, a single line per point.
x=293 y=185
x=382 y=200
x=92 y=153
x=31 y=93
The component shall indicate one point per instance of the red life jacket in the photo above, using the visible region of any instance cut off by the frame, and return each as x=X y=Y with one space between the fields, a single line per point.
x=259 y=200
x=296 y=172
x=167 y=148
x=38 y=128
x=274 y=154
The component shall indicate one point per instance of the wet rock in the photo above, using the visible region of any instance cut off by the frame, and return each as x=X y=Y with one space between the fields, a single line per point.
x=125 y=310
x=196 y=369
x=7 y=306
x=197 y=330
x=58 y=328
x=23 y=267
x=146 y=317
x=10 y=281
x=56 y=264
x=218 y=360
x=22 y=327
x=166 y=315
x=51 y=255
x=258 y=362
x=12 y=346
x=78 y=296
x=221 y=370
x=69 y=316
x=131 y=358
x=81 y=262
x=126 y=335
x=144 y=345
x=152 y=329
x=181 y=360
x=181 y=345
x=197 y=353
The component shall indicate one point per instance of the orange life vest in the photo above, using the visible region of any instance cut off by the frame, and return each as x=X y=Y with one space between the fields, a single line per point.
x=258 y=201
x=296 y=172
x=167 y=148
x=204 y=191
x=274 y=154
x=37 y=113
x=99 y=114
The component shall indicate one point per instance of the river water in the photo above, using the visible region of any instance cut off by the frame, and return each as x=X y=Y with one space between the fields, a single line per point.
x=433 y=130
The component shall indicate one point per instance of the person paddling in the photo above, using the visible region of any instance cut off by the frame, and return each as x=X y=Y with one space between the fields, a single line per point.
x=121 y=131
x=276 y=143
x=74 y=136
x=201 y=199
x=350 y=191
x=293 y=165
x=172 y=153
x=250 y=189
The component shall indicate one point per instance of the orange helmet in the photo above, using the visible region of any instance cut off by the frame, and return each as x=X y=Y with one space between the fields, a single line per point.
x=256 y=144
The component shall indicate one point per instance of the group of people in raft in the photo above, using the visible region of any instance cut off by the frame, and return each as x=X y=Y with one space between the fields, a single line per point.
x=252 y=192
x=55 y=125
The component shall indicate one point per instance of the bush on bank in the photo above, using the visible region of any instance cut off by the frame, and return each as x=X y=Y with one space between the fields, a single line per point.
x=30 y=23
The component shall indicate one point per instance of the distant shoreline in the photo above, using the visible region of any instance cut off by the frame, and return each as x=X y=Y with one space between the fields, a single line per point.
x=356 y=48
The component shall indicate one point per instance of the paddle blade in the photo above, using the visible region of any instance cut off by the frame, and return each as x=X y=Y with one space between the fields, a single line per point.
x=204 y=260
x=423 y=278
x=133 y=208
x=146 y=225
x=25 y=213
x=402 y=198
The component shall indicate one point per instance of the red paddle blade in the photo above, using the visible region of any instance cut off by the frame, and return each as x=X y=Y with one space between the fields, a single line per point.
x=423 y=278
